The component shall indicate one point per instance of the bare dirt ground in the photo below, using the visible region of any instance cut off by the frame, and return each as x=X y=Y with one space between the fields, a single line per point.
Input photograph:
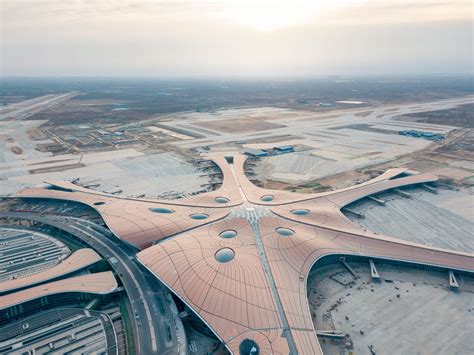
x=53 y=169
x=365 y=150
x=461 y=116
x=364 y=113
x=452 y=160
x=16 y=150
x=83 y=111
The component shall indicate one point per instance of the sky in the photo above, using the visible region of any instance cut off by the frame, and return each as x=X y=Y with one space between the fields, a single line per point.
x=235 y=38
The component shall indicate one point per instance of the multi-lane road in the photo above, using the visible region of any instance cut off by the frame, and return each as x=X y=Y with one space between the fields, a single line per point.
x=152 y=318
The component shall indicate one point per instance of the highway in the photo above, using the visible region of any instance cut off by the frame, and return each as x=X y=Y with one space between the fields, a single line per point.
x=151 y=315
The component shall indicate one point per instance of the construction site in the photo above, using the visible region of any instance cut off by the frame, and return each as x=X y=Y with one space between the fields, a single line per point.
x=372 y=141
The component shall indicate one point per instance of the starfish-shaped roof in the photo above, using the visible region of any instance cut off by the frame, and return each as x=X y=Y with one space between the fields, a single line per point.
x=239 y=257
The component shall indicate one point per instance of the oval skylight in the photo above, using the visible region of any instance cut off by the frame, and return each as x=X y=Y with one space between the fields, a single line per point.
x=199 y=216
x=285 y=231
x=224 y=255
x=228 y=234
x=161 y=210
x=300 y=212
x=221 y=199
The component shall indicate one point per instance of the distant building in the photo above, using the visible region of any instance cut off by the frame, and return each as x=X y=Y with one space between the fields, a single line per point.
x=326 y=104
x=268 y=152
x=285 y=149
x=422 y=134
x=256 y=152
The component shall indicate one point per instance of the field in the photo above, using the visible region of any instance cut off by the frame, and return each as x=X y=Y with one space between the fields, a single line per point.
x=461 y=116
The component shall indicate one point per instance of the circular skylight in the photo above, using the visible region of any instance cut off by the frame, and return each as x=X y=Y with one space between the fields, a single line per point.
x=199 y=216
x=224 y=255
x=267 y=198
x=285 y=231
x=161 y=210
x=221 y=199
x=300 y=212
x=228 y=234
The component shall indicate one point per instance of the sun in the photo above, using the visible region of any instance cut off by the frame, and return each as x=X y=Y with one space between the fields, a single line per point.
x=270 y=15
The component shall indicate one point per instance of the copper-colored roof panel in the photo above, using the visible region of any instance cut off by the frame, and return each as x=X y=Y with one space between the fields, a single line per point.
x=132 y=220
x=234 y=291
x=99 y=283
x=78 y=260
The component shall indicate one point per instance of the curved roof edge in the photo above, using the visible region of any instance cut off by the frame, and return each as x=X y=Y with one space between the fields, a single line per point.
x=101 y=283
x=78 y=260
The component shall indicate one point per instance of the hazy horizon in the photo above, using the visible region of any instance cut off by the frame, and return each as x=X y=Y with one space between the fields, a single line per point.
x=235 y=39
x=249 y=78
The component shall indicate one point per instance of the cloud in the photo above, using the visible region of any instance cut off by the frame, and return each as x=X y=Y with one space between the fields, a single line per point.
x=123 y=37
